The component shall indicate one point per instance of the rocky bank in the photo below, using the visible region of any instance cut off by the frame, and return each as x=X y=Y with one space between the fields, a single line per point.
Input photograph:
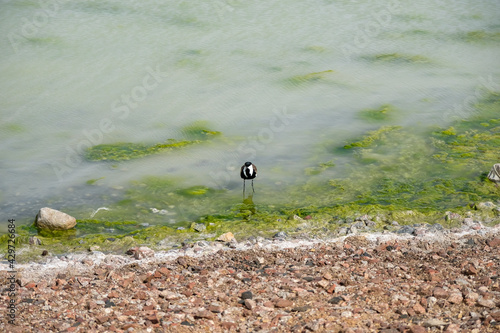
x=427 y=281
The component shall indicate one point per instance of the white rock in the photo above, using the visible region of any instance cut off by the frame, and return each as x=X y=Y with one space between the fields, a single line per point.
x=48 y=218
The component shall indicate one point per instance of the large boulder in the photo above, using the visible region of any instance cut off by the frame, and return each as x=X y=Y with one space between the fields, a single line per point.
x=51 y=219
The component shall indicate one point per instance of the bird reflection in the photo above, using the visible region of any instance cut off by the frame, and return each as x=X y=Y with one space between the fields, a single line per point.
x=247 y=209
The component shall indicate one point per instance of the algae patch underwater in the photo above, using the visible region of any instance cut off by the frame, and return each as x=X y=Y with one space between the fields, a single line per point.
x=434 y=169
x=121 y=151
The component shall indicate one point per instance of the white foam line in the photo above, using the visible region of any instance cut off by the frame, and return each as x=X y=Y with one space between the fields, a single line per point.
x=75 y=262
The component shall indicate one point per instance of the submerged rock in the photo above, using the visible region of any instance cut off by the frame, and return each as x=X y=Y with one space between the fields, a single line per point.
x=51 y=219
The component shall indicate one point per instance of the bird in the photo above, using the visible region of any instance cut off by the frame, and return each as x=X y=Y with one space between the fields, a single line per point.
x=494 y=174
x=248 y=171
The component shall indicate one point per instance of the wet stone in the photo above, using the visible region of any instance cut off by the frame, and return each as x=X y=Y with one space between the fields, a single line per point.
x=406 y=230
x=280 y=235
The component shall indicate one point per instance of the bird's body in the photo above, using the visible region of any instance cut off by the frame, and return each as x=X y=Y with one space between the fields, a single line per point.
x=494 y=174
x=248 y=171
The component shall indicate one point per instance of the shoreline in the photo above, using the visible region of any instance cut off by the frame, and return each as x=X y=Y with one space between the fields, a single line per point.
x=327 y=285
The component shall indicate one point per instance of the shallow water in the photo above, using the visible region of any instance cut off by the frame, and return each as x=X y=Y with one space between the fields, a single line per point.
x=278 y=79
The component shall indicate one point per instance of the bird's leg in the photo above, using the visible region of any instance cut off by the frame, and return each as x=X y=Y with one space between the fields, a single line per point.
x=243 y=188
x=252 y=187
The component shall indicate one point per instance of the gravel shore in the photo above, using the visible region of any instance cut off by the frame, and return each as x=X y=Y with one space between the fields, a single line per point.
x=430 y=281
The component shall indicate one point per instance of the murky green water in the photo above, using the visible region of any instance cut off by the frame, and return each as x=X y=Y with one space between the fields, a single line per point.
x=336 y=102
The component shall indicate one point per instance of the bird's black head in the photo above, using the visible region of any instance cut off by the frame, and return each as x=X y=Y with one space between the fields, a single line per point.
x=248 y=164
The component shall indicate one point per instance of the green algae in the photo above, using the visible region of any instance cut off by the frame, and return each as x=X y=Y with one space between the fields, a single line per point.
x=480 y=36
x=383 y=113
x=194 y=191
x=121 y=151
x=398 y=58
x=315 y=49
x=372 y=137
x=310 y=78
x=441 y=170
x=199 y=130
x=12 y=128
x=93 y=181
x=316 y=170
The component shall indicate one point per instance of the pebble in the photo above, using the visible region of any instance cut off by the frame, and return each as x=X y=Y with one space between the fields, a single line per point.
x=141 y=252
x=434 y=322
x=418 y=329
x=359 y=284
x=280 y=235
x=487 y=303
x=246 y=295
x=283 y=303
x=406 y=230
x=250 y=304
x=226 y=238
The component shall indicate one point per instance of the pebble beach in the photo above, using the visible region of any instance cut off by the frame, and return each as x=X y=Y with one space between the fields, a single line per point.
x=428 y=280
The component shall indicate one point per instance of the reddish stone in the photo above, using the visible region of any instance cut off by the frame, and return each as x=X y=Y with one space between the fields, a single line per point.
x=152 y=318
x=125 y=283
x=268 y=304
x=332 y=288
x=60 y=282
x=197 y=301
x=91 y=305
x=204 y=314
x=140 y=295
x=455 y=298
x=493 y=242
x=440 y=293
x=164 y=271
x=453 y=328
x=228 y=325
x=215 y=308
x=113 y=294
x=31 y=285
x=495 y=315
x=418 y=329
x=469 y=269
x=283 y=303
x=419 y=308
x=127 y=326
